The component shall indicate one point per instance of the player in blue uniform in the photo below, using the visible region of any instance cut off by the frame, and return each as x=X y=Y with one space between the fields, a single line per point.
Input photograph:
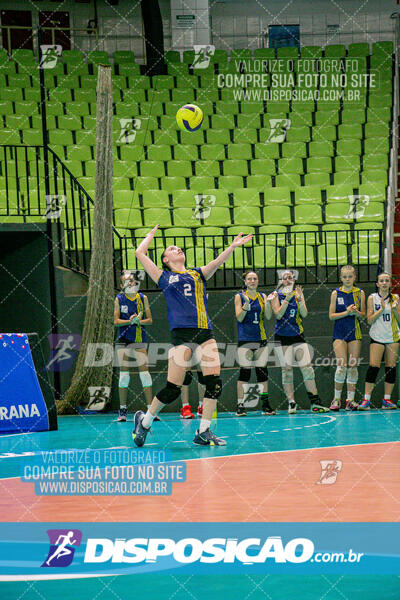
x=191 y=330
x=251 y=308
x=131 y=315
x=346 y=308
x=290 y=309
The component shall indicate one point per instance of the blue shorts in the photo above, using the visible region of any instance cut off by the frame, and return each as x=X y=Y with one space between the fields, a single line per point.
x=349 y=337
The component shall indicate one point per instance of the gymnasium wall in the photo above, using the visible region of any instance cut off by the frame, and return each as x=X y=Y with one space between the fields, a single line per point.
x=234 y=23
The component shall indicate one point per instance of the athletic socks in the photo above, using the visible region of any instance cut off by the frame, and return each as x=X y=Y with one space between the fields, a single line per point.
x=264 y=397
x=148 y=419
x=350 y=395
x=240 y=401
x=204 y=425
x=367 y=396
x=338 y=394
x=386 y=397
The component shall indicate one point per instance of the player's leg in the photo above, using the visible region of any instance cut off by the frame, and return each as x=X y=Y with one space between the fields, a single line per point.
x=353 y=351
x=391 y=354
x=186 y=410
x=303 y=358
x=285 y=358
x=210 y=367
x=201 y=388
x=177 y=365
x=261 y=357
x=340 y=350
x=144 y=374
x=376 y=352
x=123 y=383
x=245 y=356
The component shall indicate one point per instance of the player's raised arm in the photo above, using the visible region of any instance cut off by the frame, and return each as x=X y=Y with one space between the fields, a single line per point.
x=209 y=270
x=141 y=254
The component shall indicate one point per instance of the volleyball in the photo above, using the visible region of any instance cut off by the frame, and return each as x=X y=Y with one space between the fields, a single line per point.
x=189 y=117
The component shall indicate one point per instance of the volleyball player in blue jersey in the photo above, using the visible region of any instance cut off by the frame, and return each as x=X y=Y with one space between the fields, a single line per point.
x=290 y=309
x=346 y=308
x=185 y=292
x=131 y=315
x=251 y=308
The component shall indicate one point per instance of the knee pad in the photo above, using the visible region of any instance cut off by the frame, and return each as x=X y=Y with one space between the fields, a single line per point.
x=169 y=394
x=372 y=374
x=188 y=378
x=308 y=373
x=213 y=385
x=287 y=376
x=124 y=378
x=352 y=375
x=244 y=374
x=145 y=378
x=340 y=374
x=200 y=378
x=261 y=374
x=390 y=374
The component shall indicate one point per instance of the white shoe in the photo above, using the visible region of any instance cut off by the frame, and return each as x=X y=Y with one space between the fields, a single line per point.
x=292 y=408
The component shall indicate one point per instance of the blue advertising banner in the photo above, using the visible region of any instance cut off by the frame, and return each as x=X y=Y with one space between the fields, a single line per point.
x=22 y=406
x=37 y=550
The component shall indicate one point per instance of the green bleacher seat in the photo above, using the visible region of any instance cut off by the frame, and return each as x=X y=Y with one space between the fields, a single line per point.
x=347 y=178
x=246 y=197
x=126 y=199
x=159 y=152
x=247 y=215
x=335 y=50
x=235 y=167
x=358 y=49
x=210 y=237
x=277 y=215
x=327 y=117
x=310 y=215
x=336 y=234
x=301 y=235
x=258 y=181
x=179 y=236
x=184 y=217
x=129 y=218
x=347 y=163
x=320 y=179
x=230 y=182
x=154 y=198
x=199 y=183
x=187 y=152
x=273 y=235
x=384 y=47
x=162 y=216
x=311 y=51
x=375 y=191
x=291 y=181
x=371 y=231
x=172 y=183
x=294 y=149
x=290 y=165
x=146 y=183
x=266 y=256
x=309 y=194
x=332 y=255
x=207 y=167
x=365 y=253
x=319 y=164
x=172 y=56
x=300 y=255
x=339 y=212
x=219 y=216
x=98 y=57
x=348 y=147
x=279 y=195
x=374 y=211
x=339 y=193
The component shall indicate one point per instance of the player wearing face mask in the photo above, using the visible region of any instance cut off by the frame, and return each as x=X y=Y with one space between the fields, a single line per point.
x=131 y=315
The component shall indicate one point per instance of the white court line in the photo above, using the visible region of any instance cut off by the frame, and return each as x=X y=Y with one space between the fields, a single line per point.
x=61 y=576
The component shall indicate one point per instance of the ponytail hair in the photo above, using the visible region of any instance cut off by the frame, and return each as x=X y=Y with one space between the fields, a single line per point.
x=163 y=265
x=391 y=295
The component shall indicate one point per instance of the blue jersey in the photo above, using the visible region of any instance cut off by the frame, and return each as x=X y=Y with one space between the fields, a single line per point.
x=252 y=329
x=347 y=328
x=186 y=298
x=127 y=308
x=291 y=322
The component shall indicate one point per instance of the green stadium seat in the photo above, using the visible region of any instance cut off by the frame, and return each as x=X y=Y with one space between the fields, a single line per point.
x=230 y=182
x=368 y=231
x=129 y=69
x=172 y=56
x=159 y=152
x=207 y=167
x=375 y=191
x=152 y=216
x=335 y=50
x=266 y=257
x=290 y=165
x=267 y=150
x=123 y=57
x=129 y=218
x=319 y=164
x=277 y=215
x=219 y=216
x=347 y=163
x=166 y=137
x=179 y=236
x=375 y=176
x=235 y=167
x=194 y=137
x=300 y=119
x=179 y=168
x=339 y=193
x=291 y=180
x=184 y=217
x=376 y=130
x=239 y=152
x=358 y=49
x=199 y=183
x=350 y=178
x=172 y=183
x=294 y=150
x=320 y=149
x=310 y=194
x=279 y=195
x=11 y=94
x=348 y=147
x=374 y=211
x=376 y=145
x=213 y=152
x=310 y=215
x=353 y=115
x=146 y=183
x=336 y=233
x=332 y=255
x=248 y=136
x=59 y=136
x=152 y=168
x=183 y=198
x=365 y=253
x=123 y=168
x=300 y=255
x=186 y=152
x=327 y=117
x=246 y=197
x=298 y=134
x=383 y=47
x=126 y=199
x=301 y=235
x=320 y=179
x=154 y=198
x=258 y=181
x=324 y=133
x=339 y=212
x=210 y=237
x=131 y=152
x=98 y=57
x=221 y=197
x=188 y=56
x=350 y=130
x=248 y=121
x=273 y=235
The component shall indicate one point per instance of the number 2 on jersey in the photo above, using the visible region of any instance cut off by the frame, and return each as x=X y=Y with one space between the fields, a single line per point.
x=187 y=289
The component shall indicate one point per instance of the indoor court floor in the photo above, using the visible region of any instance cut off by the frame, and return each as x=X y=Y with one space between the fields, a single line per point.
x=268 y=472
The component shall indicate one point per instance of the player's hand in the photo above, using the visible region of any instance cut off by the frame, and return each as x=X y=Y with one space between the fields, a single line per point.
x=351 y=309
x=240 y=240
x=396 y=305
x=299 y=293
x=271 y=296
x=383 y=305
x=246 y=305
x=153 y=231
x=134 y=319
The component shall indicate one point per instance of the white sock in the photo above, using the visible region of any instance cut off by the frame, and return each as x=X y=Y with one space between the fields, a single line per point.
x=338 y=394
x=148 y=419
x=204 y=424
x=350 y=395
x=200 y=402
x=240 y=400
x=387 y=397
x=185 y=403
x=367 y=396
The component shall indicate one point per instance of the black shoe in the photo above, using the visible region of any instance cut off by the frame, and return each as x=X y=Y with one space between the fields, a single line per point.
x=267 y=409
x=208 y=438
x=139 y=434
x=241 y=411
